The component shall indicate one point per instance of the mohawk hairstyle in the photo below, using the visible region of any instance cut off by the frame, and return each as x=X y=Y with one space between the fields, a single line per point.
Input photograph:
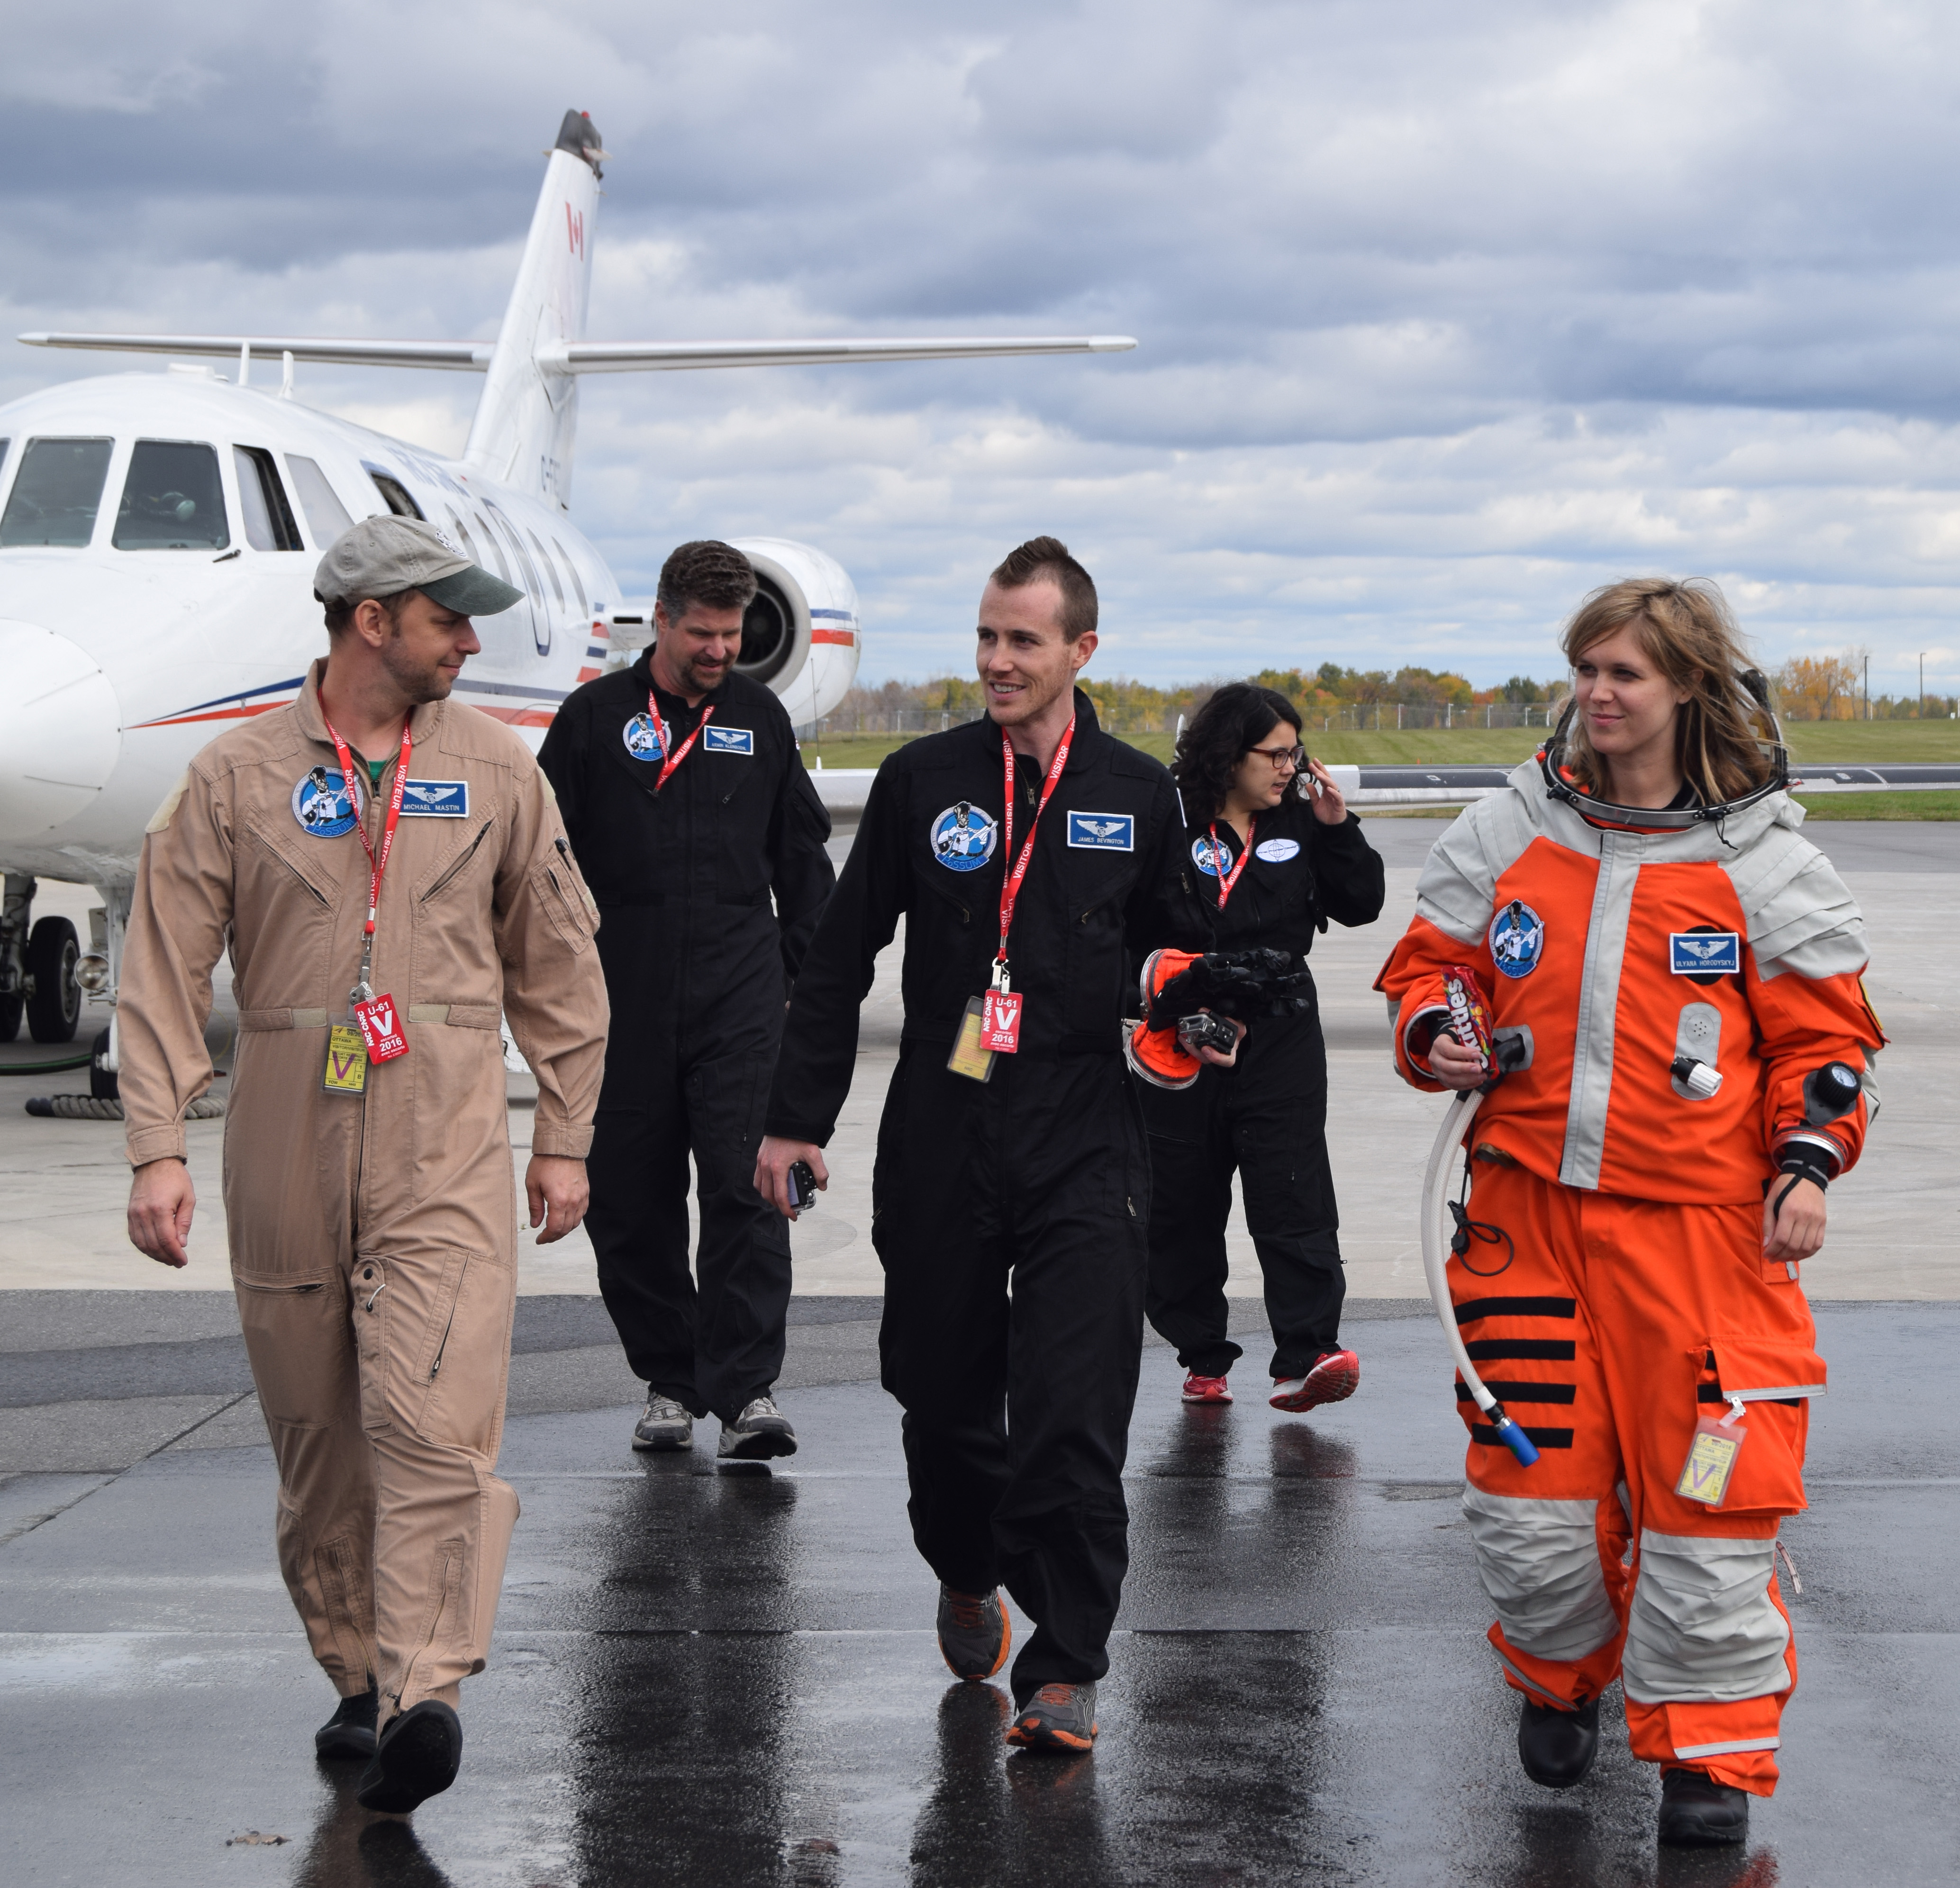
x=1046 y=559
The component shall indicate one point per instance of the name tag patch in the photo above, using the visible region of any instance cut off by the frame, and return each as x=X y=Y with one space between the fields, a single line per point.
x=962 y=837
x=1103 y=832
x=436 y=799
x=323 y=804
x=728 y=740
x=1277 y=852
x=1704 y=953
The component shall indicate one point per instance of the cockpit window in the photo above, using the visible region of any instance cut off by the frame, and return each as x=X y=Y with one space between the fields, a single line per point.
x=394 y=494
x=57 y=493
x=325 y=516
x=172 y=500
x=268 y=519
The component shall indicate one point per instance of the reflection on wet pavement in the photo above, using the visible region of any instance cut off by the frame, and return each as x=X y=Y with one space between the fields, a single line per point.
x=710 y=1680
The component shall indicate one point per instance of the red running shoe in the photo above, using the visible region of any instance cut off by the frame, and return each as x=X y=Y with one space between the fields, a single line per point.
x=1332 y=1378
x=1206 y=1389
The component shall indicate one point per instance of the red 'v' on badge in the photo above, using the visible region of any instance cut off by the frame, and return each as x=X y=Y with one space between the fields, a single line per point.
x=1000 y=1021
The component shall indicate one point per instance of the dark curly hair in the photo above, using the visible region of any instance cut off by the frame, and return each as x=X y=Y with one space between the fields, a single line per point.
x=706 y=572
x=1217 y=738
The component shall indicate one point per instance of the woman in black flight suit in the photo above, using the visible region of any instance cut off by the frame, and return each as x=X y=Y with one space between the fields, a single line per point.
x=1271 y=853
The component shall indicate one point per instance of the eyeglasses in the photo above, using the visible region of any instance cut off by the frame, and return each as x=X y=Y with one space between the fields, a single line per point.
x=1293 y=757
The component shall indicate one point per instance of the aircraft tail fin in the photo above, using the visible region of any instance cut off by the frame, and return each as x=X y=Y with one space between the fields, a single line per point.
x=526 y=422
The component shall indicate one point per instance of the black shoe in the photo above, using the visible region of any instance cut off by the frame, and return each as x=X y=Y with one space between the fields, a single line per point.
x=1557 y=1747
x=419 y=1756
x=1696 y=1812
x=974 y=1634
x=349 y=1733
x=1061 y=1718
x=760 y=1432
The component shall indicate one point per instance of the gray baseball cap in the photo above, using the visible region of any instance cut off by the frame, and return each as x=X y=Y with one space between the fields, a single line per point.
x=381 y=557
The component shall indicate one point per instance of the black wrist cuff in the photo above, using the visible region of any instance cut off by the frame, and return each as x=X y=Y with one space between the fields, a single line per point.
x=1806 y=1166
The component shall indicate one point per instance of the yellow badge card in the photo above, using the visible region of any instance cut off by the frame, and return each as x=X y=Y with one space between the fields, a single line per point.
x=346 y=1072
x=971 y=1057
x=1711 y=1460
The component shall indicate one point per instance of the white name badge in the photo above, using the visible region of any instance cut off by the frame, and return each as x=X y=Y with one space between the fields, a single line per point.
x=1277 y=852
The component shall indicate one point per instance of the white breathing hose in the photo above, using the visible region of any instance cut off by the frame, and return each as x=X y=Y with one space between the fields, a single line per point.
x=1435 y=1263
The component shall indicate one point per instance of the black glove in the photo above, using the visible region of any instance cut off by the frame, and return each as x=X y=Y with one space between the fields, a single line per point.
x=1244 y=985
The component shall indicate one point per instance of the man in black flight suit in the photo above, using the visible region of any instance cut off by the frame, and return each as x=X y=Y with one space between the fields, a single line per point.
x=1032 y=1166
x=687 y=806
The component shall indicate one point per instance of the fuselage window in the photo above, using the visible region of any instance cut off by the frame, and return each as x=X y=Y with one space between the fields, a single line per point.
x=268 y=519
x=468 y=542
x=577 y=582
x=550 y=568
x=395 y=495
x=172 y=499
x=325 y=516
x=57 y=492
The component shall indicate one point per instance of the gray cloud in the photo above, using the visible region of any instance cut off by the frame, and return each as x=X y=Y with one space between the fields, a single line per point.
x=1448 y=313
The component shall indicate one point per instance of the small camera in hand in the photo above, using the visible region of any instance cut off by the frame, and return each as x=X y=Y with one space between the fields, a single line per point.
x=803 y=1185
x=1207 y=1031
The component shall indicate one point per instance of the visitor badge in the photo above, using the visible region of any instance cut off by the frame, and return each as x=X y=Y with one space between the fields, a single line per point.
x=971 y=1057
x=1711 y=1459
x=346 y=1071
x=1000 y=1021
x=380 y=1028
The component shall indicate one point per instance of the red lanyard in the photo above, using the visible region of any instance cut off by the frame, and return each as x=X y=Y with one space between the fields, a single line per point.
x=1010 y=885
x=378 y=861
x=667 y=737
x=1227 y=880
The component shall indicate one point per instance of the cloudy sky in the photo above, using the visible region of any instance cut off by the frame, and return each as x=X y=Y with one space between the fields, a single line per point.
x=1447 y=314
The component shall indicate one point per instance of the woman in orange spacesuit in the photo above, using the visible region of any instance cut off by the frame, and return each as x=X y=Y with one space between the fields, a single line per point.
x=1687 y=1059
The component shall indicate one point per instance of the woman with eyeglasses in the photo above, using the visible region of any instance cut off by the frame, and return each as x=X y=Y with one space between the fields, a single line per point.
x=1271 y=853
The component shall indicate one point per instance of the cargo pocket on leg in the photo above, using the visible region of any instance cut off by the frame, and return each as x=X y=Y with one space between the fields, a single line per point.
x=1774 y=1378
x=463 y=1370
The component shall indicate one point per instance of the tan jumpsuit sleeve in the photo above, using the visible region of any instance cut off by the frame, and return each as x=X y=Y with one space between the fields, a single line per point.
x=178 y=922
x=554 y=990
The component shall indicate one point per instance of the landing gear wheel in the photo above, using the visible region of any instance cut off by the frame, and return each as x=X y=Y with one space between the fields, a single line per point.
x=55 y=1009
x=102 y=1084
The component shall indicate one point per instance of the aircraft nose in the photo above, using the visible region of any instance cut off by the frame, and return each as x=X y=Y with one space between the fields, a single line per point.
x=61 y=730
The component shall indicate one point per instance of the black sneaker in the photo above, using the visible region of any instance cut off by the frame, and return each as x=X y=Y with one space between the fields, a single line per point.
x=1057 y=1717
x=761 y=1432
x=349 y=1733
x=417 y=1757
x=1696 y=1812
x=974 y=1632
x=1557 y=1747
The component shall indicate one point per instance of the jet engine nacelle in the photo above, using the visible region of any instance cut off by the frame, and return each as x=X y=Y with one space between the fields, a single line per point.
x=800 y=636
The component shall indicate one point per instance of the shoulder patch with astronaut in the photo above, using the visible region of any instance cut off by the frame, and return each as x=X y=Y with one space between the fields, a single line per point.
x=1704 y=953
x=962 y=837
x=643 y=738
x=1277 y=852
x=324 y=804
x=1516 y=939
x=1214 y=863
x=1103 y=832
x=437 y=799
x=728 y=740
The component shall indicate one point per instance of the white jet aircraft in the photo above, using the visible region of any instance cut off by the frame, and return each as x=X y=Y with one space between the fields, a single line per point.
x=132 y=630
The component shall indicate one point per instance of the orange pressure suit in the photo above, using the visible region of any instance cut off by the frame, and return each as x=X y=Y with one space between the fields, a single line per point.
x=1638 y=1298
x=374 y=1236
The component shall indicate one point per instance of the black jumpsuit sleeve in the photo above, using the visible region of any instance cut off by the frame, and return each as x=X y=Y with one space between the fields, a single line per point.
x=820 y=1051
x=1149 y=914
x=801 y=874
x=562 y=759
x=1348 y=874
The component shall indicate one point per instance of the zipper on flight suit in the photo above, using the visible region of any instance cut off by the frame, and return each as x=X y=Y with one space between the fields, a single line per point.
x=469 y=853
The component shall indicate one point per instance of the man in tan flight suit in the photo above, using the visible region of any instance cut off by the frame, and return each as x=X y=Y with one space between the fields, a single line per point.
x=372 y=1224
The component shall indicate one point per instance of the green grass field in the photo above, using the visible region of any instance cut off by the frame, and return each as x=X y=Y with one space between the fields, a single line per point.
x=1840 y=741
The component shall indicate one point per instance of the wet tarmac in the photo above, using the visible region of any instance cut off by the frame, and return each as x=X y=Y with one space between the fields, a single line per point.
x=710 y=1679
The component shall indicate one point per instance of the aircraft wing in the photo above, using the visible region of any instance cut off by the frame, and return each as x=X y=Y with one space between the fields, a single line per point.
x=465 y=354
x=585 y=357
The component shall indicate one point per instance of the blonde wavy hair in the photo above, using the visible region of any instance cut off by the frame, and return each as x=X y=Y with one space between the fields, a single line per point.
x=1688 y=632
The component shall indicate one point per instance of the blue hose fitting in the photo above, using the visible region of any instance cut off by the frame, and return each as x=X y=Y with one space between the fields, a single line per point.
x=1511 y=1437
